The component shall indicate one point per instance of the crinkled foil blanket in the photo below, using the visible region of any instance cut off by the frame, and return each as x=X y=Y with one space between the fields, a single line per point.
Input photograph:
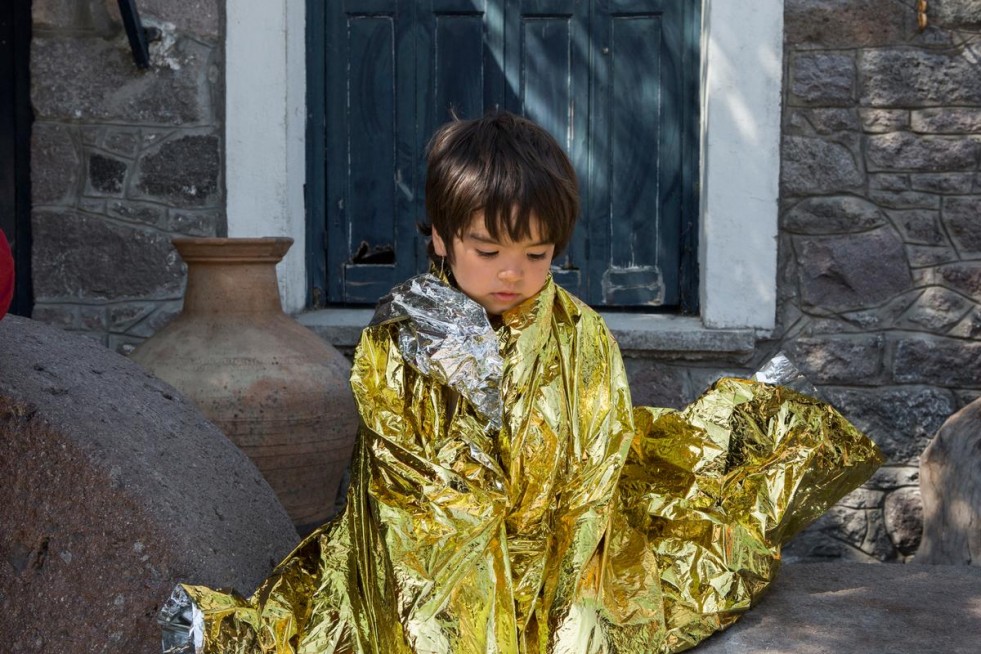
x=507 y=497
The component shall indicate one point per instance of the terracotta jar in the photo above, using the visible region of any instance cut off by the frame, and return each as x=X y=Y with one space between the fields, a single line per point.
x=275 y=388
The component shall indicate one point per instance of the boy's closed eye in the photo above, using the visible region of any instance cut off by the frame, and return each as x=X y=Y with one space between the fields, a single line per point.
x=533 y=256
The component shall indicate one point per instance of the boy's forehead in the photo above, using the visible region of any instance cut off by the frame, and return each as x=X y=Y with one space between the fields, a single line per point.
x=477 y=230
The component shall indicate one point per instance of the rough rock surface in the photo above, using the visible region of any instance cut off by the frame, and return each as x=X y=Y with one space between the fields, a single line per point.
x=859 y=608
x=951 y=491
x=113 y=488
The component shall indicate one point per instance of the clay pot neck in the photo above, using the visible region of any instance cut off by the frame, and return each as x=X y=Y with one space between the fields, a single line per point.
x=232 y=275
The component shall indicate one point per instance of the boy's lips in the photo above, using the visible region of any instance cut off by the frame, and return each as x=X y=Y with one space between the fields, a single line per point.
x=505 y=296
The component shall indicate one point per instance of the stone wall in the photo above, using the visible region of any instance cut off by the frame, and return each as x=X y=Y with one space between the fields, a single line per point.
x=879 y=290
x=122 y=159
x=880 y=246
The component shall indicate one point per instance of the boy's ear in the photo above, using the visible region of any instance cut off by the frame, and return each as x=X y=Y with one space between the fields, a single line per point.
x=439 y=247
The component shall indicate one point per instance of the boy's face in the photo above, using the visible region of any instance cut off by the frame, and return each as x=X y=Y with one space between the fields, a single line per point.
x=499 y=275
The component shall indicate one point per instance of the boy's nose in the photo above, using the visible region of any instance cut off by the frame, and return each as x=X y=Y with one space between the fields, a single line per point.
x=509 y=274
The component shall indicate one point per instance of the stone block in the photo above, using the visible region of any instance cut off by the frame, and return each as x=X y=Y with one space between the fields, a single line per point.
x=946 y=120
x=962 y=216
x=928 y=256
x=904 y=199
x=944 y=183
x=880 y=121
x=889 y=182
x=937 y=310
x=951 y=491
x=913 y=77
x=54 y=164
x=946 y=362
x=841 y=214
x=901 y=420
x=79 y=256
x=846 y=23
x=954 y=14
x=851 y=272
x=183 y=170
x=905 y=151
x=115 y=488
x=106 y=175
x=969 y=326
x=854 y=608
x=823 y=78
x=96 y=79
x=838 y=359
x=964 y=277
x=903 y=514
x=881 y=317
x=814 y=166
x=825 y=121
x=919 y=226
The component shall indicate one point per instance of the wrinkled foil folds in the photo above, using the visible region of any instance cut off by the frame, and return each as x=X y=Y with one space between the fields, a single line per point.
x=444 y=334
x=563 y=520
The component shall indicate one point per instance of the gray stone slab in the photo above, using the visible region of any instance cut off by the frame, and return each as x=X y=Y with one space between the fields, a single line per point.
x=854 y=608
x=114 y=487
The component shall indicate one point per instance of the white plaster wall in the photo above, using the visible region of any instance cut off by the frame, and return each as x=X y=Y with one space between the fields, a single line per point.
x=265 y=113
x=741 y=82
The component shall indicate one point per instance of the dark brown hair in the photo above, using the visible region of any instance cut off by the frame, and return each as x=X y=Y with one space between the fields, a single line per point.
x=507 y=166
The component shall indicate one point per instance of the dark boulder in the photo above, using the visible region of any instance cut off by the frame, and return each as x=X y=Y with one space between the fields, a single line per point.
x=112 y=488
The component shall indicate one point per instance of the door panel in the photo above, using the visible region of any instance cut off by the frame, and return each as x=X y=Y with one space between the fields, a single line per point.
x=552 y=66
x=634 y=227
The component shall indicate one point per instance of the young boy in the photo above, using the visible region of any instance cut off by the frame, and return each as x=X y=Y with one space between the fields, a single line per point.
x=505 y=495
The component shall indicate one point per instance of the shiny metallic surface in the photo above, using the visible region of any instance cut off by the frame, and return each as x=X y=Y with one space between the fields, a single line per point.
x=581 y=525
x=447 y=336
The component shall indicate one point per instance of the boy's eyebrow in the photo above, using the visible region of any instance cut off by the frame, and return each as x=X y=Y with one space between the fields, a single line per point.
x=484 y=238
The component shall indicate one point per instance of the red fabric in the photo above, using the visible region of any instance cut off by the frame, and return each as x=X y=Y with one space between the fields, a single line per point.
x=6 y=275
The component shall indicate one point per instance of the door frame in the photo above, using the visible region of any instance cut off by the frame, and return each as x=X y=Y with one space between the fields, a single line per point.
x=741 y=83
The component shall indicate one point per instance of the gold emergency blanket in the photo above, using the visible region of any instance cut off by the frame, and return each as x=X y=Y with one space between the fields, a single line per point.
x=580 y=525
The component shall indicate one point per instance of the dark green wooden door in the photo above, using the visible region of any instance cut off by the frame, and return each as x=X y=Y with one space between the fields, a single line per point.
x=614 y=82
